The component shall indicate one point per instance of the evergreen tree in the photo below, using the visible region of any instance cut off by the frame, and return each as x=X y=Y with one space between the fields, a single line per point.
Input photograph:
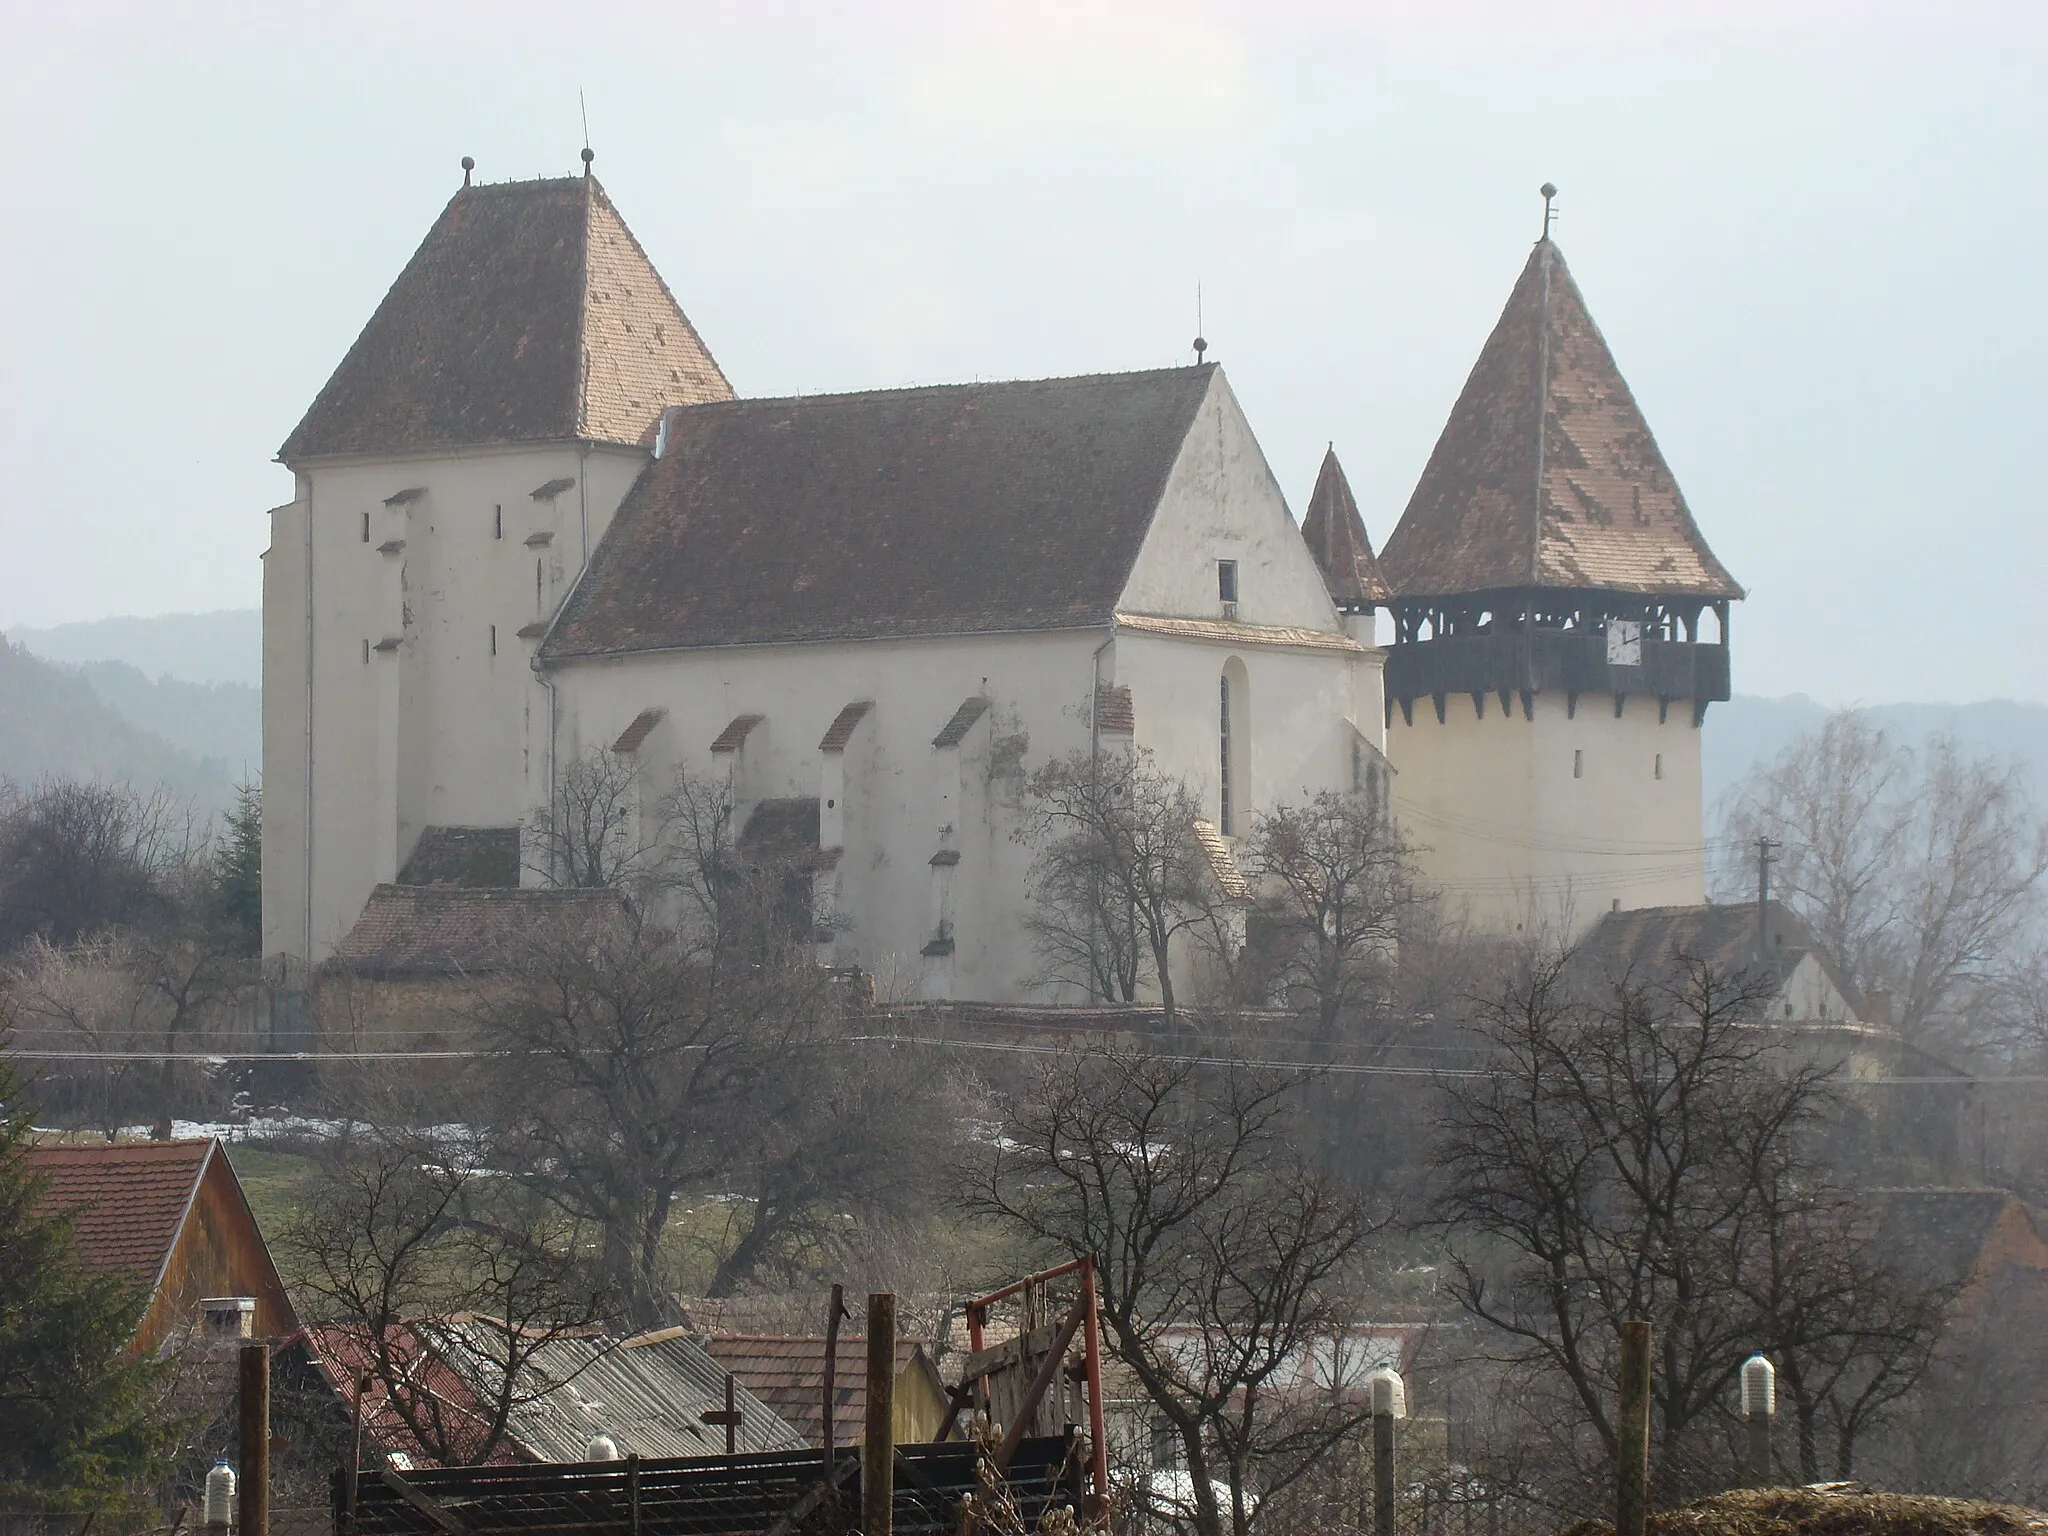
x=77 y=1427
x=238 y=873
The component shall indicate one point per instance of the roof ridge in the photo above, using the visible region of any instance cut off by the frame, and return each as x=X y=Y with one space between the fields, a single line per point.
x=740 y=402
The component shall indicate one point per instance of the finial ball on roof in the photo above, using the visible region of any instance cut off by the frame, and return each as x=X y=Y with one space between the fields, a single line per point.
x=589 y=154
x=468 y=163
x=1548 y=189
x=1201 y=346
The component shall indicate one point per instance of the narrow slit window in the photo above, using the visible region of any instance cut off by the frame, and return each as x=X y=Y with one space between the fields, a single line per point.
x=1578 y=763
x=1226 y=580
x=494 y=639
x=366 y=527
x=536 y=586
x=1223 y=764
x=1658 y=770
x=366 y=652
x=498 y=521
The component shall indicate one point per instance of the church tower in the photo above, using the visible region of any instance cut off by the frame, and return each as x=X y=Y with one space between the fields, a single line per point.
x=450 y=482
x=1560 y=627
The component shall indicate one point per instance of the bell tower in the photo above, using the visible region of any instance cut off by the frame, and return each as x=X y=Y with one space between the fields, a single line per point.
x=1560 y=627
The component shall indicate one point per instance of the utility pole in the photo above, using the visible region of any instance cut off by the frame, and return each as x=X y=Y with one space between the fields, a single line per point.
x=254 y=1429
x=1765 y=852
x=1632 y=1431
x=878 y=1465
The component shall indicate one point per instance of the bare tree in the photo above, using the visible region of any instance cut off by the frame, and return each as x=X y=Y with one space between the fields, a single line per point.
x=79 y=858
x=1119 y=873
x=1336 y=882
x=407 y=1238
x=1224 y=1261
x=590 y=836
x=1638 y=1150
x=702 y=1048
x=1918 y=870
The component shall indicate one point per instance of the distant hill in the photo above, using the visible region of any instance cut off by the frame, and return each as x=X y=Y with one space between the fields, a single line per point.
x=222 y=721
x=221 y=647
x=52 y=722
x=1746 y=732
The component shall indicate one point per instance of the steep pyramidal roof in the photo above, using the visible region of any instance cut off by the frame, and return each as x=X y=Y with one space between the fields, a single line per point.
x=1335 y=534
x=1546 y=474
x=528 y=314
x=958 y=509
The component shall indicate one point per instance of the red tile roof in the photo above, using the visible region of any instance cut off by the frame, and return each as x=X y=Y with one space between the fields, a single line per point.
x=955 y=730
x=788 y=1374
x=1546 y=475
x=735 y=733
x=127 y=1199
x=528 y=314
x=840 y=732
x=643 y=723
x=963 y=509
x=449 y=930
x=1335 y=534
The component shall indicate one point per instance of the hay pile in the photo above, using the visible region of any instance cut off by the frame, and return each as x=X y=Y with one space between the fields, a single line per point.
x=1830 y=1512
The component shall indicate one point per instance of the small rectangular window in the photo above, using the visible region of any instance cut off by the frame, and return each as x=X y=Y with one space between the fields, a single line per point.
x=1660 y=765
x=366 y=527
x=494 y=639
x=1226 y=580
x=498 y=521
x=1578 y=763
x=366 y=653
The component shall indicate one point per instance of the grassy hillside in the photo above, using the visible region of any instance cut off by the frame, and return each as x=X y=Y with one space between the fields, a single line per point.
x=52 y=722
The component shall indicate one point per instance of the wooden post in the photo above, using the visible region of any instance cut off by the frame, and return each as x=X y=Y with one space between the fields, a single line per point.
x=253 y=1402
x=1383 y=1474
x=832 y=1369
x=1759 y=1448
x=1091 y=1345
x=878 y=1465
x=352 y=1484
x=633 y=1488
x=1632 y=1431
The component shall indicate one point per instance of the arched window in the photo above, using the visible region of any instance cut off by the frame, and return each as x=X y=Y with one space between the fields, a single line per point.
x=1233 y=754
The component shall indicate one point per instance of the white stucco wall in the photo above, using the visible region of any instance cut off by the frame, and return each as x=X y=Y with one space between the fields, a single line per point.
x=892 y=778
x=1509 y=833
x=433 y=733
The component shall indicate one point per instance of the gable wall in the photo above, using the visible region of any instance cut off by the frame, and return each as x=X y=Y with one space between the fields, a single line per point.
x=1221 y=502
x=218 y=1252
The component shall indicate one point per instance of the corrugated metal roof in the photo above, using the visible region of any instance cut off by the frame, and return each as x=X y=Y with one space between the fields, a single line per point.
x=649 y=1394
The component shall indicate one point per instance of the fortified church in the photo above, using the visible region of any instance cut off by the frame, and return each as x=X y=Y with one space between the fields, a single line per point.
x=531 y=522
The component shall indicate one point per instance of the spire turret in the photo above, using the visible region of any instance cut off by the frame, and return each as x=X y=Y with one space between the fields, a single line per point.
x=1335 y=534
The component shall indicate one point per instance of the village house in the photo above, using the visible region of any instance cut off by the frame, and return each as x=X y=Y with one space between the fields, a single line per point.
x=534 y=529
x=170 y=1215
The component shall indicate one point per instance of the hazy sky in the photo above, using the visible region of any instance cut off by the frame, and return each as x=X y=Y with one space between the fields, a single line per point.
x=1813 y=234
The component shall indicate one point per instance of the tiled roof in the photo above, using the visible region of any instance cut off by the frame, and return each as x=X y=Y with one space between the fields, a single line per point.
x=1938 y=1237
x=1222 y=863
x=968 y=508
x=468 y=856
x=840 y=731
x=528 y=314
x=955 y=730
x=735 y=733
x=1115 y=715
x=450 y=930
x=127 y=1199
x=1648 y=942
x=1546 y=475
x=1230 y=632
x=788 y=1374
x=779 y=831
x=1335 y=534
x=643 y=724
x=341 y=1352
